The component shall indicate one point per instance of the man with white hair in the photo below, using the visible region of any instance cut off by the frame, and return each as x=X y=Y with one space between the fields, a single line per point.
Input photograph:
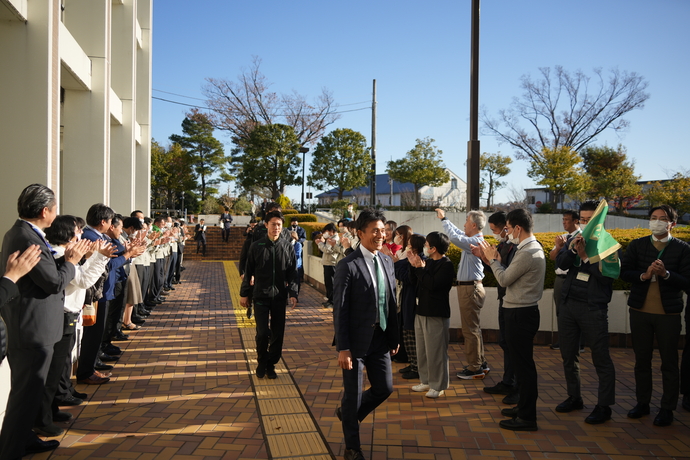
x=470 y=290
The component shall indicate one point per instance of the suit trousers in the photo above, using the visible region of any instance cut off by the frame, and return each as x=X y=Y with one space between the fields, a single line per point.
x=471 y=300
x=170 y=275
x=328 y=274
x=142 y=274
x=28 y=372
x=269 y=331
x=433 y=335
x=116 y=309
x=522 y=325
x=357 y=404
x=157 y=279
x=178 y=265
x=508 y=368
x=685 y=360
x=577 y=320
x=91 y=342
x=65 y=388
x=61 y=352
x=644 y=327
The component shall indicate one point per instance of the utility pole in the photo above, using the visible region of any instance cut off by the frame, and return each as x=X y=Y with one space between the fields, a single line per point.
x=372 y=187
x=473 y=150
x=303 y=151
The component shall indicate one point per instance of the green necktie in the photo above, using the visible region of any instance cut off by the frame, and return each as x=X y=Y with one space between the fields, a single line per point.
x=381 y=286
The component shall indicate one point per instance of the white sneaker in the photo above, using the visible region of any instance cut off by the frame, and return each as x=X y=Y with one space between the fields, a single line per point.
x=434 y=393
x=421 y=387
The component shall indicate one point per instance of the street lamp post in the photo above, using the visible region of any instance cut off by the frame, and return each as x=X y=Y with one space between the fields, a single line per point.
x=303 y=151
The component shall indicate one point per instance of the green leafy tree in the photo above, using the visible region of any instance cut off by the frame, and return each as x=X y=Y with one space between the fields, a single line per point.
x=172 y=175
x=207 y=154
x=674 y=192
x=494 y=166
x=242 y=206
x=612 y=175
x=341 y=161
x=566 y=109
x=421 y=166
x=270 y=159
x=559 y=171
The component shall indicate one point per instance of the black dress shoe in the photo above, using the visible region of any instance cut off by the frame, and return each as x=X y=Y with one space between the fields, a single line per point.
x=62 y=416
x=271 y=372
x=138 y=320
x=405 y=369
x=37 y=446
x=511 y=412
x=352 y=454
x=112 y=350
x=49 y=431
x=570 y=405
x=78 y=395
x=639 y=411
x=339 y=413
x=102 y=367
x=512 y=399
x=106 y=358
x=171 y=288
x=119 y=337
x=518 y=424
x=600 y=414
x=499 y=389
x=411 y=375
x=664 y=417
x=69 y=401
x=261 y=371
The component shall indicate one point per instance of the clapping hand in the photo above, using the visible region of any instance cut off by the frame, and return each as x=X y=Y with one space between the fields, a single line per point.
x=75 y=251
x=19 y=265
x=489 y=252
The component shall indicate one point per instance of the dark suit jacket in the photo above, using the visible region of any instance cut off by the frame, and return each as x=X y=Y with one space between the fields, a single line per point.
x=114 y=264
x=35 y=317
x=8 y=291
x=355 y=304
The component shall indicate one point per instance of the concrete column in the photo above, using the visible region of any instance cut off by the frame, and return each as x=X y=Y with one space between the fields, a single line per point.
x=29 y=80
x=86 y=132
x=142 y=198
x=122 y=144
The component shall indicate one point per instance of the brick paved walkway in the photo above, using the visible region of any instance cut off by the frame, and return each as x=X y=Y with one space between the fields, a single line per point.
x=183 y=390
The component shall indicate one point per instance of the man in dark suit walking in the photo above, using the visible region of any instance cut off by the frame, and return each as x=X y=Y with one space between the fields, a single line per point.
x=34 y=319
x=366 y=327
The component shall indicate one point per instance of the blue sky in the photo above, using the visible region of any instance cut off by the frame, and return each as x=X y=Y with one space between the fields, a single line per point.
x=419 y=53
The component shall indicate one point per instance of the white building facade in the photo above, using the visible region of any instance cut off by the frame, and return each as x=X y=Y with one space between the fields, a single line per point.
x=76 y=102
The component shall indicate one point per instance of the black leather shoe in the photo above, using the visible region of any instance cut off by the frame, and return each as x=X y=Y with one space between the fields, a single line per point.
x=102 y=367
x=510 y=412
x=518 y=424
x=352 y=454
x=62 y=416
x=171 y=288
x=512 y=399
x=339 y=413
x=570 y=405
x=69 y=401
x=664 y=417
x=499 y=389
x=261 y=371
x=271 y=372
x=37 y=446
x=411 y=375
x=112 y=350
x=120 y=337
x=105 y=358
x=600 y=414
x=138 y=320
x=78 y=395
x=49 y=431
x=686 y=401
x=639 y=411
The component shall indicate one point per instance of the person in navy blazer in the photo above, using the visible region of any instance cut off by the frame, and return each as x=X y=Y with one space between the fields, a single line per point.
x=363 y=339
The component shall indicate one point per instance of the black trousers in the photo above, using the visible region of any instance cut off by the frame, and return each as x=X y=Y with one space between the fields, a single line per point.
x=29 y=369
x=178 y=265
x=269 y=331
x=201 y=244
x=61 y=352
x=170 y=274
x=508 y=368
x=328 y=274
x=91 y=342
x=225 y=233
x=116 y=309
x=522 y=325
x=356 y=403
x=644 y=327
x=65 y=388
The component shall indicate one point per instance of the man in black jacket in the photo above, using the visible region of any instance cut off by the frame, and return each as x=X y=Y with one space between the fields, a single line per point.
x=658 y=266
x=272 y=264
x=585 y=298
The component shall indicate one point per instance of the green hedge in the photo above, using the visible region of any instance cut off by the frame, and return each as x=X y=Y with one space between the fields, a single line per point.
x=624 y=237
x=302 y=218
x=309 y=228
x=289 y=211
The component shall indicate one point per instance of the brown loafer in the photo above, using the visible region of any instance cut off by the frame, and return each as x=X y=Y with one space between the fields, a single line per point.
x=94 y=380
x=103 y=374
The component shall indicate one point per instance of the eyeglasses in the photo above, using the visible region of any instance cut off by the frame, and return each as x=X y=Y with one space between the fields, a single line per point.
x=661 y=219
x=584 y=220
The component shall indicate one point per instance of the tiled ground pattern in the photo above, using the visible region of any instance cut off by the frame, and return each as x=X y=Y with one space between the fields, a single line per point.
x=183 y=390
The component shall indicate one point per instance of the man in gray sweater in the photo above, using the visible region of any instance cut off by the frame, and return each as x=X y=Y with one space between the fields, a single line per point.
x=524 y=283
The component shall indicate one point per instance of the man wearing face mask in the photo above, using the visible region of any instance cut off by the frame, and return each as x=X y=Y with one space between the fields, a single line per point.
x=470 y=290
x=658 y=266
x=332 y=251
x=301 y=233
x=584 y=302
x=571 y=224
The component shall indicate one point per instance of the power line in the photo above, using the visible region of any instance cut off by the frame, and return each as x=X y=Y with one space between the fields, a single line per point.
x=181 y=95
x=278 y=114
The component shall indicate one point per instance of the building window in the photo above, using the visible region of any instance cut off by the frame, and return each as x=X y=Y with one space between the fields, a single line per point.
x=453 y=184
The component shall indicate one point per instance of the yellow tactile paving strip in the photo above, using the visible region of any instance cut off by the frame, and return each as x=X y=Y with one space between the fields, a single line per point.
x=289 y=428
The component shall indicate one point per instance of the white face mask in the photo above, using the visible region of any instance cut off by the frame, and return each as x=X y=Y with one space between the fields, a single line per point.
x=512 y=238
x=426 y=251
x=499 y=238
x=141 y=220
x=658 y=227
x=583 y=227
x=397 y=240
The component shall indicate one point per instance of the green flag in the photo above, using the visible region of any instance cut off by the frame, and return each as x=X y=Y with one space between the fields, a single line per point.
x=599 y=245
